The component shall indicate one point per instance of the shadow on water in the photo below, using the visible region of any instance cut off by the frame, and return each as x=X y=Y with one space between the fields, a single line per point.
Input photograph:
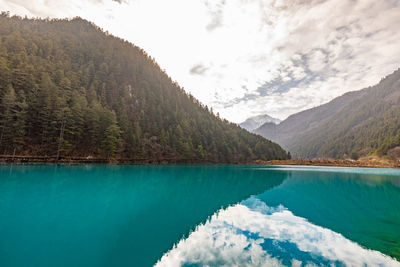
x=99 y=215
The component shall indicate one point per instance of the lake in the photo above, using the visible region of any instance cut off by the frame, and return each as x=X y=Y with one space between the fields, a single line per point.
x=212 y=215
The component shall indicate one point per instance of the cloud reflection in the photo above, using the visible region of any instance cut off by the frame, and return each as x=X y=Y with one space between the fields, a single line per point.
x=253 y=234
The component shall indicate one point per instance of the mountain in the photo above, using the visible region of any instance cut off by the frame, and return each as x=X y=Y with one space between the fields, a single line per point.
x=68 y=88
x=253 y=123
x=304 y=121
x=359 y=123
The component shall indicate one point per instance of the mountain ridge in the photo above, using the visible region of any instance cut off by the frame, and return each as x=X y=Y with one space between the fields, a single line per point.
x=255 y=122
x=69 y=89
x=307 y=119
x=360 y=122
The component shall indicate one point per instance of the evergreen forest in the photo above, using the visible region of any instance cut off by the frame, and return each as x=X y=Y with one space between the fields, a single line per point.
x=68 y=88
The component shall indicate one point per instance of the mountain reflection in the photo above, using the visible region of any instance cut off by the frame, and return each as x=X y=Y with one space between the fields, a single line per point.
x=254 y=234
x=362 y=205
x=142 y=210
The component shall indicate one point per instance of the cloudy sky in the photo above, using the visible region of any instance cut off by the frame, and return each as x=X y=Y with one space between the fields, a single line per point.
x=251 y=57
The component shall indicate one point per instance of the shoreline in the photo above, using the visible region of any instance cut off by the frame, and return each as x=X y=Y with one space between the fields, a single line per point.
x=94 y=160
x=332 y=163
x=293 y=162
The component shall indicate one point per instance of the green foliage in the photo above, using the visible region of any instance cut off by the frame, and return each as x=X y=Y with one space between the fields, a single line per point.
x=67 y=87
x=369 y=123
x=111 y=140
x=354 y=156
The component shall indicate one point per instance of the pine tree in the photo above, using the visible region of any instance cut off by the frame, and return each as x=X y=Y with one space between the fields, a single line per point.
x=111 y=141
x=7 y=107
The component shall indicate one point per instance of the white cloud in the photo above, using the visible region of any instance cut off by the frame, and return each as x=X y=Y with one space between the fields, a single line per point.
x=316 y=61
x=328 y=47
x=253 y=234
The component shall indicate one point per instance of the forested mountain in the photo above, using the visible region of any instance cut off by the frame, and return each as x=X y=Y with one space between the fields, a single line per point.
x=364 y=122
x=297 y=124
x=255 y=122
x=67 y=87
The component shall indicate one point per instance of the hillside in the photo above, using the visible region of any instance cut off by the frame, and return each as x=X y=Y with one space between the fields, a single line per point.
x=306 y=120
x=68 y=88
x=255 y=122
x=360 y=123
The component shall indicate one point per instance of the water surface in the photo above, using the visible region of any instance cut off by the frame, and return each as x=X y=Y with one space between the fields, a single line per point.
x=106 y=215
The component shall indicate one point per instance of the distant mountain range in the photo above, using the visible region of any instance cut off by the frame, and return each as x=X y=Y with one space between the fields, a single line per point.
x=360 y=123
x=255 y=122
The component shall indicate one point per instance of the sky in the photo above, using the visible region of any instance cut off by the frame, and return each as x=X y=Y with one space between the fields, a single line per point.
x=250 y=57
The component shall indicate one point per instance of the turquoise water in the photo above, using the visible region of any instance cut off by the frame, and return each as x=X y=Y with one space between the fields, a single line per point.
x=108 y=215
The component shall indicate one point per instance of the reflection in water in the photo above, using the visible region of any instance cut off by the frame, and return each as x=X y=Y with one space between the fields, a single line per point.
x=253 y=234
x=109 y=215
x=363 y=207
x=112 y=215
